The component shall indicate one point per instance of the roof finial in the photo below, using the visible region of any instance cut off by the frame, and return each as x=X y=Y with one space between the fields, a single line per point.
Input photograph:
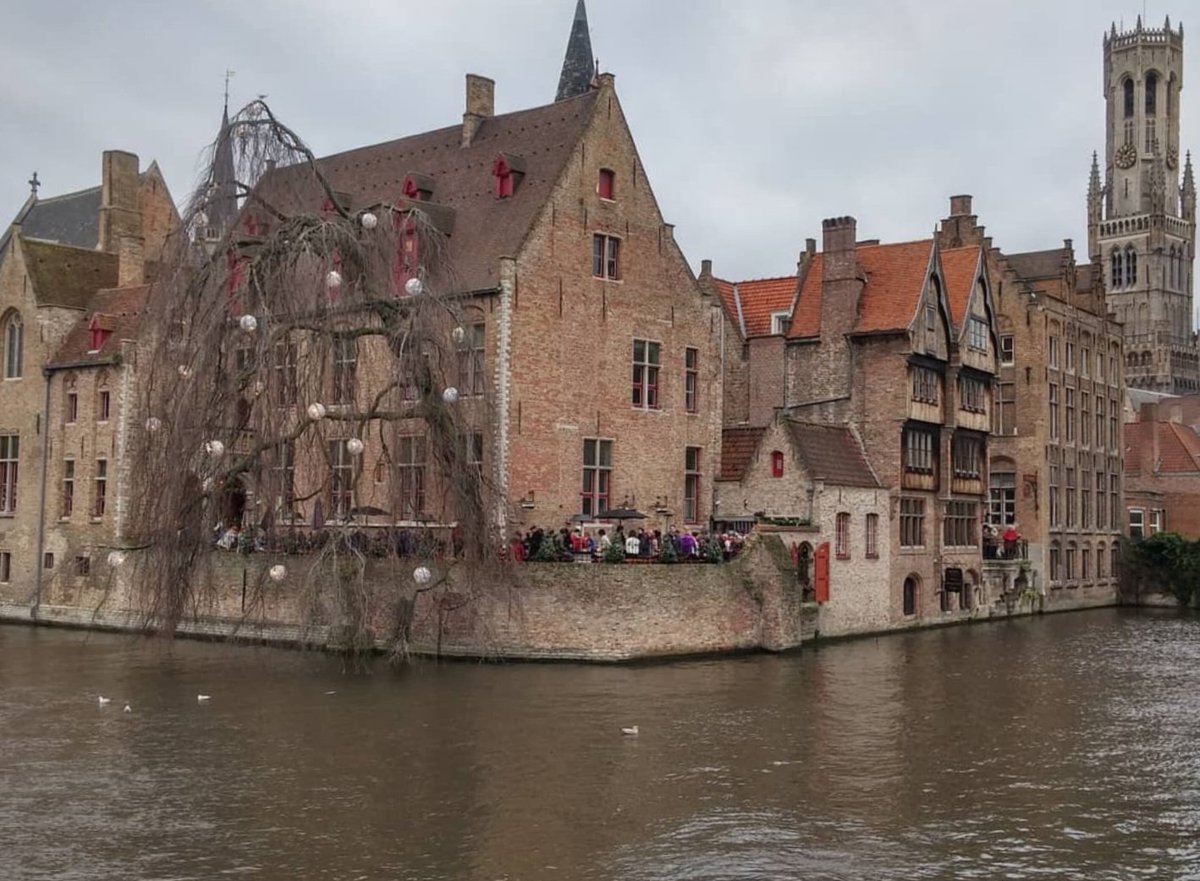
x=578 y=64
x=228 y=75
x=34 y=183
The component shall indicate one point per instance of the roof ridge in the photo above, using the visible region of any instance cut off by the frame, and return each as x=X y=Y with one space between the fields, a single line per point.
x=72 y=195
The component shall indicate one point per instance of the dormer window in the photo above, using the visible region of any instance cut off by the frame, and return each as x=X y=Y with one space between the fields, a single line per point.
x=99 y=330
x=507 y=171
x=606 y=186
x=418 y=187
x=779 y=323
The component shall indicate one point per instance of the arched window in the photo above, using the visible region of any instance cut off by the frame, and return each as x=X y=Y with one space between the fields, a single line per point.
x=842 y=536
x=1171 y=267
x=1101 y=560
x=1131 y=267
x=1055 y=562
x=1151 y=94
x=909 y=598
x=1128 y=87
x=14 y=344
x=1117 y=269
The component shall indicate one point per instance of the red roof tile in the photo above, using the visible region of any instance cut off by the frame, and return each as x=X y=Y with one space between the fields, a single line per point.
x=833 y=454
x=737 y=449
x=960 y=268
x=761 y=298
x=729 y=302
x=1178 y=447
x=119 y=310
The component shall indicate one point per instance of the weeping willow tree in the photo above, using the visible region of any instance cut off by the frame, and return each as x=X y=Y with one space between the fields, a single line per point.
x=311 y=380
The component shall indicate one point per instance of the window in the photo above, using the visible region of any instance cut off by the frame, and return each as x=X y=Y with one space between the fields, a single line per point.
x=14 y=344
x=1112 y=424
x=100 y=489
x=841 y=536
x=1007 y=349
x=597 y=477
x=1099 y=421
x=1070 y=357
x=1101 y=560
x=1053 y=397
x=977 y=335
x=909 y=598
x=471 y=367
x=83 y=566
x=968 y=456
x=284 y=366
x=1127 y=89
x=606 y=256
x=1006 y=410
x=1085 y=418
x=779 y=323
x=1156 y=521
x=1055 y=506
x=1085 y=362
x=68 y=488
x=1114 y=560
x=691 y=485
x=1131 y=274
x=920 y=456
x=1055 y=563
x=912 y=523
x=71 y=407
x=408 y=256
x=606 y=184
x=1071 y=497
x=10 y=448
x=1002 y=499
x=925 y=385
x=871 y=537
x=777 y=463
x=345 y=369
x=475 y=450
x=103 y=406
x=1070 y=415
x=284 y=468
x=341 y=480
x=1085 y=500
x=5 y=567
x=1100 y=367
x=961 y=526
x=1101 y=508
x=973 y=394
x=506 y=177
x=1114 y=494
x=691 y=362
x=48 y=560
x=1151 y=94
x=410 y=475
x=1053 y=351
x=645 y=374
x=1070 y=558
x=1085 y=563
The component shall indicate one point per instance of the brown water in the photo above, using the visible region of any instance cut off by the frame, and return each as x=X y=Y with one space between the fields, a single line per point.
x=1062 y=747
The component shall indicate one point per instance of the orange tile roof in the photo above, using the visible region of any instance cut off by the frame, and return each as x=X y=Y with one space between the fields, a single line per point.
x=895 y=278
x=959 y=267
x=761 y=297
x=737 y=449
x=1178 y=447
x=118 y=310
x=728 y=301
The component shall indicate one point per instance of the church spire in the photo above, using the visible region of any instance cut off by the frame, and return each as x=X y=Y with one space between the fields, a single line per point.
x=1189 y=190
x=578 y=65
x=222 y=200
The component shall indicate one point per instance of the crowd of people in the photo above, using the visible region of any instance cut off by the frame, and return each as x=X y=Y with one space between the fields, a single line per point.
x=1001 y=544
x=576 y=544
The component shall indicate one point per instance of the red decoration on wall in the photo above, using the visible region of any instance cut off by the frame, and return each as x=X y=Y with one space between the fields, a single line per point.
x=821 y=573
x=777 y=464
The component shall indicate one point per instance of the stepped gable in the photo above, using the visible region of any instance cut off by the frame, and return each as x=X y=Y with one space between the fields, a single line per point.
x=832 y=453
x=67 y=276
x=485 y=228
x=895 y=278
x=119 y=311
x=738 y=445
x=1032 y=265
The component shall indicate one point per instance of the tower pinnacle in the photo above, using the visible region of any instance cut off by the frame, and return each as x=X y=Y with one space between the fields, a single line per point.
x=578 y=65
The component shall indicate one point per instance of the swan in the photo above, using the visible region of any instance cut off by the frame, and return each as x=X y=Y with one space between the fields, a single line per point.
x=200 y=698
x=631 y=730
x=128 y=709
x=104 y=701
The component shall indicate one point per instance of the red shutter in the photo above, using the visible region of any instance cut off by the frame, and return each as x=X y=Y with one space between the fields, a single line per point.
x=822 y=572
x=605 y=187
x=777 y=464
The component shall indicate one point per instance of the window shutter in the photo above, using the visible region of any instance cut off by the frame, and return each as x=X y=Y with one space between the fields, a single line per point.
x=822 y=573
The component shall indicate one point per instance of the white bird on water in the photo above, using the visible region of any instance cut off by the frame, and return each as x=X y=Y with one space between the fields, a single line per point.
x=201 y=698
x=104 y=701
x=631 y=730
x=128 y=709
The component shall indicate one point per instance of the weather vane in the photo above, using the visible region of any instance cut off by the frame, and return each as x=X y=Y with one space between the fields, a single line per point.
x=228 y=75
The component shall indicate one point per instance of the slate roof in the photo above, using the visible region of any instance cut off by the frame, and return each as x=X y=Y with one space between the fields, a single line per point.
x=485 y=228
x=118 y=310
x=759 y=298
x=1178 y=447
x=73 y=219
x=737 y=449
x=895 y=279
x=1038 y=264
x=67 y=276
x=832 y=453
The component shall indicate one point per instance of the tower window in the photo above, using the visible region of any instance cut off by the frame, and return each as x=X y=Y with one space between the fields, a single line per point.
x=606 y=186
x=1131 y=268
x=1151 y=94
x=1127 y=85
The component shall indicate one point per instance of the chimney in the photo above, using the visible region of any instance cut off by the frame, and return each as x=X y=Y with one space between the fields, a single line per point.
x=960 y=206
x=606 y=81
x=706 y=269
x=119 y=191
x=839 y=237
x=131 y=261
x=481 y=105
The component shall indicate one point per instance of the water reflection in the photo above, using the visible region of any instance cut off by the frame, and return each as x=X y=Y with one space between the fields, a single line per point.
x=1060 y=747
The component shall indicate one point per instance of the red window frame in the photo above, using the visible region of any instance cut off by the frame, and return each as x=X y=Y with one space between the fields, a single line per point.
x=691 y=375
x=777 y=463
x=606 y=184
x=842 y=535
x=505 y=183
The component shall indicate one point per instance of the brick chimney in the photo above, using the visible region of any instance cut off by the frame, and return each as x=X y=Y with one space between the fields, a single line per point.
x=131 y=261
x=840 y=283
x=481 y=105
x=960 y=206
x=120 y=187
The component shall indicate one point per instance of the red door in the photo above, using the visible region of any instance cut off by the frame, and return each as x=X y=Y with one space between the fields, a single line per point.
x=821 y=576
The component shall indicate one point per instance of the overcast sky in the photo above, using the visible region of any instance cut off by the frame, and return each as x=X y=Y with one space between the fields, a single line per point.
x=755 y=118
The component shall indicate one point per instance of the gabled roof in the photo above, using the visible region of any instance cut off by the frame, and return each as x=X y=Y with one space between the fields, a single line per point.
x=66 y=276
x=1178 y=447
x=832 y=453
x=960 y=267
x=737 y=449
x=73 y=219
x=895 y=276
x=759 y=298
x=1039 y=264
x=485 y=228
x=118 y=311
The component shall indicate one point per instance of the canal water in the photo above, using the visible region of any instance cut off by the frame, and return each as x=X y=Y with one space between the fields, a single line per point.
x=1061 y=747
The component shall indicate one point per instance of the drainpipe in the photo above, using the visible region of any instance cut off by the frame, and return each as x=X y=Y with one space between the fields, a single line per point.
x=41 y=533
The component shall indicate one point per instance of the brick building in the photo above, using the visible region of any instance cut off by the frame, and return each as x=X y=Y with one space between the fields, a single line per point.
x=896 y=345
x=54 y=258
x=1055 y=469
x=1162 y=470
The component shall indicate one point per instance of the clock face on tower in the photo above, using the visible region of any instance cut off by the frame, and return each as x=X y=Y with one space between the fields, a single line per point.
x=1126 y=155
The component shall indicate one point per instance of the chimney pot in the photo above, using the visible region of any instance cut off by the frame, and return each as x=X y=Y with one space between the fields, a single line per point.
x=705 y=268
x=960 y=206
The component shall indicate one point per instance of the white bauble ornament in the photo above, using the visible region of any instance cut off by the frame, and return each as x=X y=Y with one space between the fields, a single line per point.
x=316 y=411
x=153 y=424
x=185 y=371
x=459 y=334
x=258 y=388
x=115 y=558
x=413 y=287
x=422 y=575
x=354 y=446
x=333 y=280
x=450 y=395
x=215 y=448
x=278 y=572
x=369 y=220
x=248 y=323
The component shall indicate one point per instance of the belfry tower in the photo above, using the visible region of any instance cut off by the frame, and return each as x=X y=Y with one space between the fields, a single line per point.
x=1142 y=221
